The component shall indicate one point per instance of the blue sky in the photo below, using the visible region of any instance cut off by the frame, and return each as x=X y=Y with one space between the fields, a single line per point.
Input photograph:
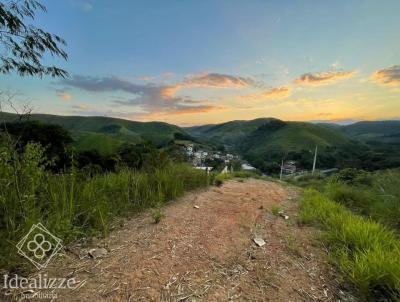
x=196 y=62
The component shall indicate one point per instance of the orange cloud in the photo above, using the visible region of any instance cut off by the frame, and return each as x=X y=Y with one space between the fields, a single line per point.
x=389 y=76
x=198 y=109
x=65 y=96
x=217 y=80
x=209 y=80
x=274 y=93
x=169 y=92
x=324 y=78
x=152 y=116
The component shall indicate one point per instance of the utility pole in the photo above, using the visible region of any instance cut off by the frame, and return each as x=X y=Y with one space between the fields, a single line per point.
x=280 y=177
x=315 y=159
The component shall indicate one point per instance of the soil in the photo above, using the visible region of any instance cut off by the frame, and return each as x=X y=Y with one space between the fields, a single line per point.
x=204 y=250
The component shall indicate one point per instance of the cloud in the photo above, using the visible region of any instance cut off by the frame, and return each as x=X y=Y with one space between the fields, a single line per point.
x=217 y=80
x=158 y=97
x=146 y=78
x=323 y=78
x=272 y=94
x=148 y=97
x=194 y=109
x=81 y=107
x=87 y=110
x=65 y=96
x=389 y=76
x=143 y=93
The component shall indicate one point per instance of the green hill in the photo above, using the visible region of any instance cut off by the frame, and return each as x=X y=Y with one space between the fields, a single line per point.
x=265 y=141
x=374 y=131
x=106 y=134
x=272 y=134
x=229 y=133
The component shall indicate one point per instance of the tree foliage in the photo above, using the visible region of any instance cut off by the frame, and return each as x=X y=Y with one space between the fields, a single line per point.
x=22 y=45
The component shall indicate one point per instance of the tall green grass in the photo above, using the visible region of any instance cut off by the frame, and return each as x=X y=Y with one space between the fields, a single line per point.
x=367 y=252
x=74 y=205
x=377 y=196
x=374 y=195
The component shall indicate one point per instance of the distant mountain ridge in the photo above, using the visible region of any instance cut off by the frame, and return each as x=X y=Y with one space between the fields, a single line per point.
x=374 y=131
x=262 y=141
x=266 y=140
x=106 y=134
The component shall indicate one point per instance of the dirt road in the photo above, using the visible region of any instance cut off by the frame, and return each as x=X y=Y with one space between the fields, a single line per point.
x=203 y=250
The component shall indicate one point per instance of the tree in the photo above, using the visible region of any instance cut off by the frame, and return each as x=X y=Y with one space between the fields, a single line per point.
x=54 y=138
x=22 y=45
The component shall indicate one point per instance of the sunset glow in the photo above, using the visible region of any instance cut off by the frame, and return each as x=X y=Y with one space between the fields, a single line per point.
x=216 y=61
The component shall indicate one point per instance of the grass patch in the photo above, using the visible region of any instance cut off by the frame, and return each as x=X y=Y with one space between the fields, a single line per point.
x=373 y=195
x=377 y=196
x=220 y=178
x=365 y=251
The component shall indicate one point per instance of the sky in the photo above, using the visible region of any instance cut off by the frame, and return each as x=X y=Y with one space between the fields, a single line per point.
x=210 y=61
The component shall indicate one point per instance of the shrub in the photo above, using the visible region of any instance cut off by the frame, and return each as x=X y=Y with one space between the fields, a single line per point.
x=354 y=176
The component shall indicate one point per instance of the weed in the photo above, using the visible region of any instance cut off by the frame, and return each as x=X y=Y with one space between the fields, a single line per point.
x=158 y=215
x=276 y=210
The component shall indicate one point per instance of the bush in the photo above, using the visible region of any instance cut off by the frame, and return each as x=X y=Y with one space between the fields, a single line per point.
x=315 y=181
x=354 y=176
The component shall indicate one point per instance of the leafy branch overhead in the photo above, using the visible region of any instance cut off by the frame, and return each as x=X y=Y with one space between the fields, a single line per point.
x=23 y=46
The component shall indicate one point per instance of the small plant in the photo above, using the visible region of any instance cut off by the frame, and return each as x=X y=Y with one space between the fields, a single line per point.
x=276 y=210
x=158 y=215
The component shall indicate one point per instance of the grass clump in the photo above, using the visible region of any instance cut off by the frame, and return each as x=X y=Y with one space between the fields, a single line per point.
x=158 y=215
x=275 y=210
x=365 y=251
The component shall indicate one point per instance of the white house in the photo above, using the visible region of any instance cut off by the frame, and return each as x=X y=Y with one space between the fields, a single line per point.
x=247 y=167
